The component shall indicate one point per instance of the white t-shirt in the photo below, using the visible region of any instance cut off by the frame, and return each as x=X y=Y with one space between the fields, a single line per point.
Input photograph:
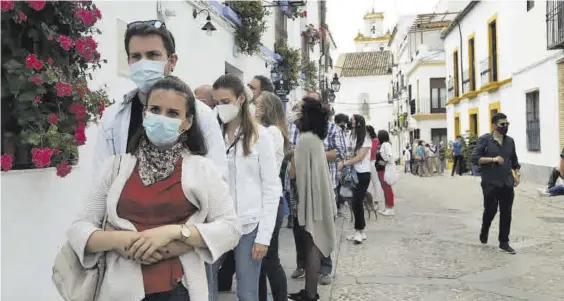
x=364 y=164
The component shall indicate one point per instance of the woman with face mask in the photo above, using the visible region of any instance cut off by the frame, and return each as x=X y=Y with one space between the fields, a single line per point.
x=269 y=113
x=359 y=146
x=167 y=207
x=253 y=182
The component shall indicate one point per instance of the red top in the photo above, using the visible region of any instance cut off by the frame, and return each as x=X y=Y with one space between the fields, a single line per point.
x=152 y=206
x=374 y=149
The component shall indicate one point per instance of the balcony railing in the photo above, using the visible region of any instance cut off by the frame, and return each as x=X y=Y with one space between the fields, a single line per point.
x=465 y=81
x=450 y=88
x=488 y=71
x=555 y=24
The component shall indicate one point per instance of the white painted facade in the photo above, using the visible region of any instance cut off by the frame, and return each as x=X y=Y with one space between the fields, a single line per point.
x=524 y=65
x=38 y=206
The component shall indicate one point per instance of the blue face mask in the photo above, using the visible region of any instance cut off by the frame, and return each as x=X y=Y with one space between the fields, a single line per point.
x=161 y=130
x=146 y=73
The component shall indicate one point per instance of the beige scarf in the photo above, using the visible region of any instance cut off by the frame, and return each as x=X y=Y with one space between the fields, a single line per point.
x=316 y=207
x=156 y=164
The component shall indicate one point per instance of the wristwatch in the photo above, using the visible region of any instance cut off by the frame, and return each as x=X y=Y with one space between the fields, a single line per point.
x=185 y=232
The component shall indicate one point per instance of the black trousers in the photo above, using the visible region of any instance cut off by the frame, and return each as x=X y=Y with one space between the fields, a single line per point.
x=495 y=197
x=359 y=194
x=226 y=272
x=271 y=266
x=179 y=293
x=553 y=177
x=457 y=163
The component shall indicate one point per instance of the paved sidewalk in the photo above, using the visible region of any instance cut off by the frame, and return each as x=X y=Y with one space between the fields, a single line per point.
x=430 y=249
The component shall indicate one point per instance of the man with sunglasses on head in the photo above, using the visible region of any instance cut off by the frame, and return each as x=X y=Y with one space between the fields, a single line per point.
x=151 y=55
x=495 y=153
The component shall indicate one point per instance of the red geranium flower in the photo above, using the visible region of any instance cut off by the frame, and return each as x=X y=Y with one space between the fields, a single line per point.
x=65 y=42
x=86 y=47
x=20 y=17
x=37 y=99
x=79 y=111
x=63 y=89
x=50 y=61
x=102 y=108
x=63 y=169
x=7 y=159
x=6 y=5
x=53 y=118
x=79 y=134
x=37 y=79
x=86 y=16
x=36 y=4
x=41 y=157
x=98 y=14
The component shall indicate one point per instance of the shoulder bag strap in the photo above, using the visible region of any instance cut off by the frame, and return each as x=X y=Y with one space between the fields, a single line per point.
x=115 y=172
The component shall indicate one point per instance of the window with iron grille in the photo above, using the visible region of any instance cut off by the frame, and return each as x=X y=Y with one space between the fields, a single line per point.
x=530 y=4
x=533 y=121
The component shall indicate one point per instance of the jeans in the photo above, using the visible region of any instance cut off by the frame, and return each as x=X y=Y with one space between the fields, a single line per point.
x=442 y=165
x=359 y=193
x=247 y=270
x=556 y=190
x=553 y=177
x=179 y=293
x=271 y=266
x=300 y=241
x=495 y=197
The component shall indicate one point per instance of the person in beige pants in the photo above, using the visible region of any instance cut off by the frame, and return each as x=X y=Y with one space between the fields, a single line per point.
x=434 y=163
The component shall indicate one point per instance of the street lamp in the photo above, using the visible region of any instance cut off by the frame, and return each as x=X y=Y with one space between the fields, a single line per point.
x=208 y=27
x=335 y=84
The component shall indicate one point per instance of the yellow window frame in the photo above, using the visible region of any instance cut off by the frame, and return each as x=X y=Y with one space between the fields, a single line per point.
x=491 y=107
x=474 y=111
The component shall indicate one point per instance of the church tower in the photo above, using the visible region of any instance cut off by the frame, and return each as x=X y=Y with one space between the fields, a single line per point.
x=372 y=38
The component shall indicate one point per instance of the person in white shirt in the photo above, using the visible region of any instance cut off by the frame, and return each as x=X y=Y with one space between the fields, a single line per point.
x=359 y=145
x=385 y=158
x=269 y=112
x=253 y=182
x=151 y=54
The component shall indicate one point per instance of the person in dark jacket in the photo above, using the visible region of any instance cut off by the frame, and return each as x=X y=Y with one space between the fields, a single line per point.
x=495 y=153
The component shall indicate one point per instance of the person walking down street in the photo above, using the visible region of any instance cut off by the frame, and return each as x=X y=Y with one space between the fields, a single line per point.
x=167 y=207
x=442 y=156
x=457 y=156
x=385 y=159
x=495 y=153
x=420 y=159
x=316 y=208
x=359 y=157
x=407 y=159
x=269 y=112
x=434 y=159
x=374 y=186
x=558 y=172
x=335 y=151
x=253 y=182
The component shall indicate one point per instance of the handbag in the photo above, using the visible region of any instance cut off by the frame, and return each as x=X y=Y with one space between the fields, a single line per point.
x=72 y=280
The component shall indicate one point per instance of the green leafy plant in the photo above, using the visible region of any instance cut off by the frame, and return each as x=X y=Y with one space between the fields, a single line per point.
x=309 y=71
x=48 y=53
x=469 y=142
x=289 y=65
x=248 y=35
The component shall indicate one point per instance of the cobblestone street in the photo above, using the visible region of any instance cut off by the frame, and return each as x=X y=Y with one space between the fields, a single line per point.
x=430 y=249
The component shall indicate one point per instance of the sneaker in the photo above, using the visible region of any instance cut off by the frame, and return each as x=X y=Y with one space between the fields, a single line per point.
x=325 y=279
x=505 y=247
x=358 y=238
x=298 y=273
x=543 y=192
x=388 y=212
x=354 y=235
x=363 y=235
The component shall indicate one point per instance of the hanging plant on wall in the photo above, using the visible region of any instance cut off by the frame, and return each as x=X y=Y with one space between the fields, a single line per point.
x=309 y=71
x=248 y=35
x=48 y=52
x=313 y=35
x=296 y=13
x=289 y=66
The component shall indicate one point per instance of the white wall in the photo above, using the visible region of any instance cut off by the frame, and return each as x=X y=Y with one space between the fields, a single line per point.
x=525 y=60
x=376 y=90
x=38 y=206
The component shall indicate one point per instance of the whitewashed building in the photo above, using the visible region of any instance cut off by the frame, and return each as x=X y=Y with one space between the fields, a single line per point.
x=498 y=61
x=38 y=206
x=365 y=75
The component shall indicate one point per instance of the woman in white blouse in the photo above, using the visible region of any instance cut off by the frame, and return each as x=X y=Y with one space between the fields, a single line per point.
x=385 y=158
x=253 y=181
x=269 y=112
x=359 y=146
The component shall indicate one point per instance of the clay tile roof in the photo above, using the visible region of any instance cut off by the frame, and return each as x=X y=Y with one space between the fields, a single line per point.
x=372 y=63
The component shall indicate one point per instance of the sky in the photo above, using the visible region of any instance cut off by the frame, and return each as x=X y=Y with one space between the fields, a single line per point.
x=344 y=17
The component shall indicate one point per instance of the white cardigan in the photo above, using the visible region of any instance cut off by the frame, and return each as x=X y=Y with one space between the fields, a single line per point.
x=216 y=220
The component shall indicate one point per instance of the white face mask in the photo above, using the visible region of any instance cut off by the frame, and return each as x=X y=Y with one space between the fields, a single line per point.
x=146 y=73
x=227 y=112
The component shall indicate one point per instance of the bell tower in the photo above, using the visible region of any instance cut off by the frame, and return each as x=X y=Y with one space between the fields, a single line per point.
x=372 y=37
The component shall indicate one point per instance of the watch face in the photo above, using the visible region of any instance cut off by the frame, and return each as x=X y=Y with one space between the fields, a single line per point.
x=185 y=232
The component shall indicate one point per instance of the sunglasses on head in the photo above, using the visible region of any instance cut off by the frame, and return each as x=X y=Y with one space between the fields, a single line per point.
x=155 y=23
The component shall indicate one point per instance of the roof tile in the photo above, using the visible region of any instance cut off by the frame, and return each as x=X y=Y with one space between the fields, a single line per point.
x=371 y=63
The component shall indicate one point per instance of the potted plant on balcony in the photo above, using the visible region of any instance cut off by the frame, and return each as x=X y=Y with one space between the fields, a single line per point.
x=48 y=53
x=309 y=72
x=289 y=65
x=253 y=24
x=313 y=35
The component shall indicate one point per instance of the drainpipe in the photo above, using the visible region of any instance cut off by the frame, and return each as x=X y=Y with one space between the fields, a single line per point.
x=461 y=60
